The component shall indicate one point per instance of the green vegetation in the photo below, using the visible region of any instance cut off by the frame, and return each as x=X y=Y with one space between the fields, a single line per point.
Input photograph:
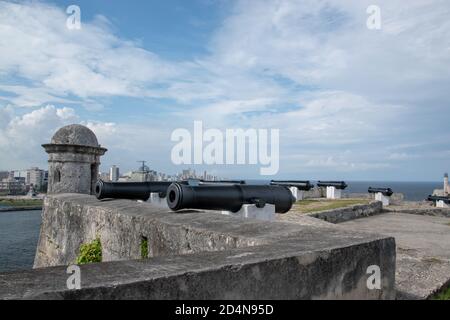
x=144 y=248
x=90 y=252
x=21 y=202
x=309 y=206
x=444 y=295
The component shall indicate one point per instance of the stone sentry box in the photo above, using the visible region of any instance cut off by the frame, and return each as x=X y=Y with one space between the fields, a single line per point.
x=74 y=160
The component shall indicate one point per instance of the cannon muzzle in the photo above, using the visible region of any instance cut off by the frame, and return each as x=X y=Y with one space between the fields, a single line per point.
x=228 y=197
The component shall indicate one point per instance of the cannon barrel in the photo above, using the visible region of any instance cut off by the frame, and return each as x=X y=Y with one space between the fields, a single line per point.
x=438 y=198
x=129 y=190
x=301 y=185
x=385 y=191
x=221 y=182
x=228 y=197
x=337 y=184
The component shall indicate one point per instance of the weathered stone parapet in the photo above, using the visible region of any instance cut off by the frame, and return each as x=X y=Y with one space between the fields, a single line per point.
x=422 y=211
x=349 y=213
x=199 y=255
x=282 y=270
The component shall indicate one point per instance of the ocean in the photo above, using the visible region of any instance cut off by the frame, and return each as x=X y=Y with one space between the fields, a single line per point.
x=19 y=231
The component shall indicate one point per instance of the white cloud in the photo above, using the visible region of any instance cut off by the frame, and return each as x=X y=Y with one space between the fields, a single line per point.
x=36 y=46
x=21 y=135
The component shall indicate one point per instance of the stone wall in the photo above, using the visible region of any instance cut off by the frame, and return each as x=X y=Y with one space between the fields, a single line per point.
x=68 y=221
x=278 y=271
x=423 y=211
x=349 y=213
x=198 y=255
x=396 y=199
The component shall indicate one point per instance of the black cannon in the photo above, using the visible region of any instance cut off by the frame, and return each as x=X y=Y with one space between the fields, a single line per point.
x=385 y=191
x=438 y=198
x=228 y=197
x=220 y=182
x=300 y=185
x=341 y=185
x=130 y=190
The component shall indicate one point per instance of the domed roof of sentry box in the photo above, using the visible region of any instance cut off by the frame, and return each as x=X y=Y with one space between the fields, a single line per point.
x=75 y=134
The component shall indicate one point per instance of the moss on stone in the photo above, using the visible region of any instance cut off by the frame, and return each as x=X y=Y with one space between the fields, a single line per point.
x=90 y=252
x=144 y=248
x=443 y=295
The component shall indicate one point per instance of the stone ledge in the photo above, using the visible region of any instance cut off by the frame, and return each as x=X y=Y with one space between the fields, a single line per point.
x=278 y=271
x=423 y=211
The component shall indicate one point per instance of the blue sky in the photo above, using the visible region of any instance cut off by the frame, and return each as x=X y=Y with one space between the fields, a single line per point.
x=176 y=30
x=350 y=103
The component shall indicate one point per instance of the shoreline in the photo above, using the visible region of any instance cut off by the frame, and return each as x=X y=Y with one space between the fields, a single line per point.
x=12 y=209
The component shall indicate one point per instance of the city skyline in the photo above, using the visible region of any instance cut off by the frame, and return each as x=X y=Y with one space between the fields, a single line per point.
x=183 y=174
x=126 y=173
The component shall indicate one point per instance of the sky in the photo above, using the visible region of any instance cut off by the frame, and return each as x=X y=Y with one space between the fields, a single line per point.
x=350 y=102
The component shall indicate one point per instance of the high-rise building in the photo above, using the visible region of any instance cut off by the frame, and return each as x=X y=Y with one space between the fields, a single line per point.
x=35 y=178
x=114 y=173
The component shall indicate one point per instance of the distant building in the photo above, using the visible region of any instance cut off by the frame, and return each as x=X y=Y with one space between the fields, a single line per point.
x=15 y=186
x=140 y=176
x=114 y=174
x=104 y=176
x=144 y=174
x=35 y=178
x=446 y=187
x=444 y=192
x=4 y=175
